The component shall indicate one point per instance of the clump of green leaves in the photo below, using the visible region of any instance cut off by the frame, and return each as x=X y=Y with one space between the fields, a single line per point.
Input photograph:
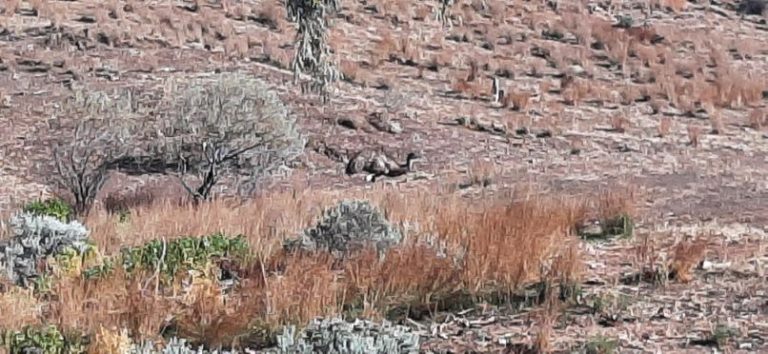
x=601 y=345
x=56 y=208
x=69 y=261
x=43 y=340
x=181 y=254
x=171 y=257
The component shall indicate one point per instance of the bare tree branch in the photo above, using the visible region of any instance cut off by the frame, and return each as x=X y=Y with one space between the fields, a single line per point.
x=222 y=128
x=90 y=133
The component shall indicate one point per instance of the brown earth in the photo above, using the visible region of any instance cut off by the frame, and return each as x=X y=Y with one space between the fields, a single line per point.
x=708 y=72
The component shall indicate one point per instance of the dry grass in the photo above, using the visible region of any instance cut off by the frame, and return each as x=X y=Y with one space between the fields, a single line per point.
x=20 y=308
x=519 y=100
x=716 y=119
x=757 y=119
x=118 y=301
x=694 y=135
x=619 y=123
x=489 y=248
x=665 y=125
x=675 y=5
x=685 y=257
x=110 y=342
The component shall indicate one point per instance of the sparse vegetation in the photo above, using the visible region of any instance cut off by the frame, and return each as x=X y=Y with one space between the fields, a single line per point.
x=157 y=196
x=601 y=345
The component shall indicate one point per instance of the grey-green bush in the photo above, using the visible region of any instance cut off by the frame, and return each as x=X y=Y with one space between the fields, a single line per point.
x=233 y=126
x=349 y=226
x=35 y=237
x=337 y=336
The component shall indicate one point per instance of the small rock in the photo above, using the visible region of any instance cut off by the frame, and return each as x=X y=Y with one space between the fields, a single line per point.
x=707 y=265
x=575 y=70
x=394 y=127
x=591 y=230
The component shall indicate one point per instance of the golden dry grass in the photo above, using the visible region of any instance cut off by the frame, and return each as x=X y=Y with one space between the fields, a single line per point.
x=490 y=247
x=686 y=255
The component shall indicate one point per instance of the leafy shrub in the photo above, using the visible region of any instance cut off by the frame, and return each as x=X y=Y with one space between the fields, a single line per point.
x=34 y=239
x=187 y=253
x=349 y=226
x=341 y=337
x=174 y=346
x=56 y=208
x=183 y=253
x=45 y=340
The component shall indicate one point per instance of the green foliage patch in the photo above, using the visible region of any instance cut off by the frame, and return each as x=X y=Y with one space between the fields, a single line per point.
x=172 y=257
x=43 y=340
x=56 y=208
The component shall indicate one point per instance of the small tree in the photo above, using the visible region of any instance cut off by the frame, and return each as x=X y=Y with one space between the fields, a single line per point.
x=233 y=126
x=312 y=54
x=90 y=132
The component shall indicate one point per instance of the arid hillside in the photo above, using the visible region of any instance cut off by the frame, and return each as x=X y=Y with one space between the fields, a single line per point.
x=528 y=117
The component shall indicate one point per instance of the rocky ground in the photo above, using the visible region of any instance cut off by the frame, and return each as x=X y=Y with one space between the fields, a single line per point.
x=682 y=121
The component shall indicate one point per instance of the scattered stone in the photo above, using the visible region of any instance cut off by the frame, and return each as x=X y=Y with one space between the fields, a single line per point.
x=380 y=121
x=492 y=127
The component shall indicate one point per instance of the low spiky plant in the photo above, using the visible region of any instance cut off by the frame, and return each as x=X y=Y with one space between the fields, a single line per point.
x=348 y=226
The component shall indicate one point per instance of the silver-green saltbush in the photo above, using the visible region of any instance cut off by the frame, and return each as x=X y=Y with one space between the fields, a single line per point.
x=35 y=237
x=349 y=226
x=337 y=336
